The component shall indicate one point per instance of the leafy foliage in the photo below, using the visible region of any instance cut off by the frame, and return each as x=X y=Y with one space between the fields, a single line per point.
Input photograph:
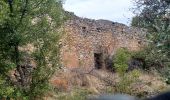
x=157 y=23
x=6 y=88
x=154 y=15
x=33 y=22
x=125 y=83
x=121 y=60
x=151 y=58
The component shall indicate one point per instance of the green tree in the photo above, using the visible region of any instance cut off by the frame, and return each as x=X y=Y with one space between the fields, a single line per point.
x=154 y=15
x=33 y=22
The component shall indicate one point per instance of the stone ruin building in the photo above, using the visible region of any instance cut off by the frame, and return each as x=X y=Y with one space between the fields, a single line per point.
x=91 y=43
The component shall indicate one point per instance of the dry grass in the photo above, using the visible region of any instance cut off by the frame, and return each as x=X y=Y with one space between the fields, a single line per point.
x=102 y=81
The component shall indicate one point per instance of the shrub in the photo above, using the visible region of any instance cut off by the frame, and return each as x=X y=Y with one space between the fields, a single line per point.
x=152 y=58
x=125 y=83
x=5 y=88
x=121 y=60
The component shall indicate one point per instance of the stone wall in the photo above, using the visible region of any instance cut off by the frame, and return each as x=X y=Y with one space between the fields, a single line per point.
x=84 y=38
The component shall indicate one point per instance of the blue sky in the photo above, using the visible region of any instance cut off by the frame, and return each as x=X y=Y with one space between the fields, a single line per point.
x=114 y=10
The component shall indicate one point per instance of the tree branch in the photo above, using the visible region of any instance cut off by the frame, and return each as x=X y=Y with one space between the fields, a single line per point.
x=10 y=5
x=23 y=12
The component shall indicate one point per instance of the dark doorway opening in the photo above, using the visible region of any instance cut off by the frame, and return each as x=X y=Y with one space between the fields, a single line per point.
x=98 y=58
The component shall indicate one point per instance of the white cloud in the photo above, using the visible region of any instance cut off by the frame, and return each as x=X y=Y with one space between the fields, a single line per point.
x=114 y=10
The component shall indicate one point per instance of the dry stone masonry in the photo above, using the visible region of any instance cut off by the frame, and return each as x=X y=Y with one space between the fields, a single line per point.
x=91 y=43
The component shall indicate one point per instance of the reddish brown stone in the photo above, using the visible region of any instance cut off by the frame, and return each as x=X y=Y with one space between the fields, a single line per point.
x=85 y=37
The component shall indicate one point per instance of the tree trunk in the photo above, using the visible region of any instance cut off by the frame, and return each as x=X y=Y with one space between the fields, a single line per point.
x=19 y=69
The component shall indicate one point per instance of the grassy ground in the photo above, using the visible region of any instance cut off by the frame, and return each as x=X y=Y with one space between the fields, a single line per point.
x=81 y=86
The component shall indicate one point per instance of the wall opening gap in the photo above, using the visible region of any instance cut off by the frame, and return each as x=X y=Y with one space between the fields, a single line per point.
x=98 y=58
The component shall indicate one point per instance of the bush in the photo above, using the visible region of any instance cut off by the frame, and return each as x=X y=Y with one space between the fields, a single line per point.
x=5 y=88
x=121 y=60
x=125 y=83
x=152 y=57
